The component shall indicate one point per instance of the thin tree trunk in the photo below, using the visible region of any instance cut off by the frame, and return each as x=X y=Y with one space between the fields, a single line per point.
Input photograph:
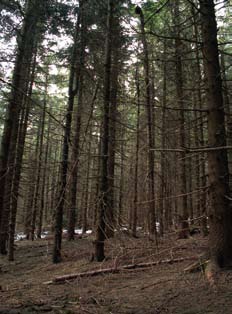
x=197 y=158
x=42 y=192
x=163 y=163
x=180 y=100
x=36 y=183
x=110 y=225
x=39 y=169
x=75 y=163
x=47 y=171
x=86 y=192
x=29 y=204
x=97 y=189
x=135 y=205
x=121 y=187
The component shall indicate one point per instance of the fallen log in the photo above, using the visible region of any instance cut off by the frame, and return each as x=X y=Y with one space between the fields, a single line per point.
x=118 y=269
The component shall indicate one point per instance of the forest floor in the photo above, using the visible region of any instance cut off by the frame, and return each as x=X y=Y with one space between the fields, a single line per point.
x=158 y=289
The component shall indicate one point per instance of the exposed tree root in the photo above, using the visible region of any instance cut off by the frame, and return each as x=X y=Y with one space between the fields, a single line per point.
x=208 y=267
x=211 y=273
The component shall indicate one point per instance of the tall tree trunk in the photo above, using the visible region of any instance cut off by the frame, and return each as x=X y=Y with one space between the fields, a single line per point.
x=30 y=200
x=18 y=163
x=110 y=225
x=35 y=183
x=197 y=158
x=121 y=183
x=150 y=128
x=97 y=188
x=47 y=173
x=135 y=205
x=26 y=43
x=104 y=185
x=228 y=116
x=72 y=91
x=220 y=215
x=180 y=100
x=77 y=133
x=163 y=157
x=39 y=162
x=202 y=165
x=41 y=159
x=86 y=188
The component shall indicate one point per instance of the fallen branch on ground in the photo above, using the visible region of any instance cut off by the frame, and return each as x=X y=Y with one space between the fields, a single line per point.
x=156 y=283
x=195 y=267
x=119 y=269
x=200 y=265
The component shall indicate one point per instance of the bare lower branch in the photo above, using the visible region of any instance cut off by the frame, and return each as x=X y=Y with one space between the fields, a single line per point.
x=189 y=150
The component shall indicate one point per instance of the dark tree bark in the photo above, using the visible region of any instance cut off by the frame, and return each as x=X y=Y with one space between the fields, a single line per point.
x=163 y=163
x=19 y=160
x=72 y=91
x=78 y=121
x=36 y=208
x=42 y=162
x=150 y=127
x=135 y=205
x=47 y=174
x=220 y=215
x=97 y=187
x=201 y=139
x=20 y=81
x=36 y=181
x=180 y=101
x=29 y=203
x=104 y=185
x=85 y=206
x=227 y=105
x=110 y=225
x=121 y=183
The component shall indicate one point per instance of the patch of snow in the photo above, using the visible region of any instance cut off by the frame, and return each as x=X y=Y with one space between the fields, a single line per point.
x=20 y=236
x=123 y=229
x=78 y=231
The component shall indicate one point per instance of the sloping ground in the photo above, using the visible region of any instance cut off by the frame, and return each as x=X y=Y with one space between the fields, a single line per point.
x=163 y=288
